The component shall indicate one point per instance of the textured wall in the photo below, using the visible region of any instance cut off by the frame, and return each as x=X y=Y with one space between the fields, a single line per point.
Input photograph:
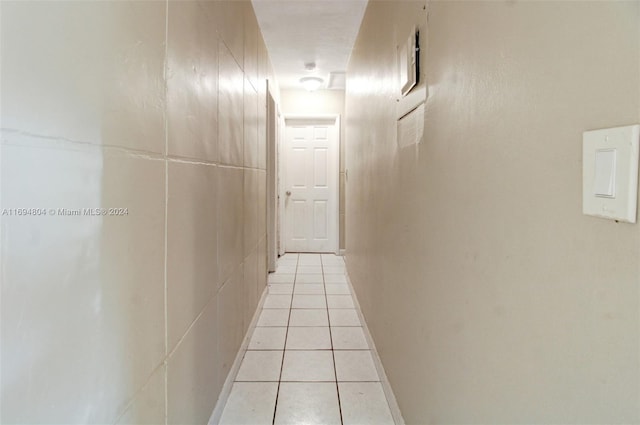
x=490 y=297
x=322 y=102
x=158 y=108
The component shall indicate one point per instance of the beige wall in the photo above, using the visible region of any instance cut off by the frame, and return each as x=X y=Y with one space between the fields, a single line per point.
x=490 y=297
x=321 y=102
x=154 y=107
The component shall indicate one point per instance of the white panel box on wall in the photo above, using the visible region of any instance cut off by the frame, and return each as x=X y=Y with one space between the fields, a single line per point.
x=610 y=173
x=408 y=62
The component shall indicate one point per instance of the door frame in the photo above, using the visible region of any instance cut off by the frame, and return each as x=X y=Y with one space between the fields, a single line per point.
x=335 y=190
x=272 y=141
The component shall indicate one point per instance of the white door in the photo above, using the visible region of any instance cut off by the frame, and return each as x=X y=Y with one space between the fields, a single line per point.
x=311 y=185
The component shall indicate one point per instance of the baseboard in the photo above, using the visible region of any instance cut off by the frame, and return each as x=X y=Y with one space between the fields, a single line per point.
x=341 y=252
x=233 y=372
x=386 y=386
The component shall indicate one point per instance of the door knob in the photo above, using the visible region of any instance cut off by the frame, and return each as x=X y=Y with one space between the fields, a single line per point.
x=288 y=193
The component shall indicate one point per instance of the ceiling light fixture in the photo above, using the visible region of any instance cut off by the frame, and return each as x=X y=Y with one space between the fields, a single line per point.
x=310 y=66
x=311 y=83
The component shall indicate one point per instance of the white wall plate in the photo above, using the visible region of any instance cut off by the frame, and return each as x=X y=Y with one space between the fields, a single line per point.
x=610 y=173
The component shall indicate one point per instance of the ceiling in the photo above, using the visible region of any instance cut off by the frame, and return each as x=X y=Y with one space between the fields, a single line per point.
x=298 y=32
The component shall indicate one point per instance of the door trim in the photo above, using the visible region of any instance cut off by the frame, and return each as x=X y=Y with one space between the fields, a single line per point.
x=272 y=179
x=336 y=184
x=280 y=184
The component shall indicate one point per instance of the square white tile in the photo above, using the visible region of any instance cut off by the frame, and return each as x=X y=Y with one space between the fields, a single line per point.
x=250 y=403
x=286 y=269
x=344 y=317
x=364 y=403
x=268 y=338
x=274 y=317
x=259 y=366
x=289 y=255
x=348 y=338
x=281 y=288
x=310 y=261
x=333 y=269
x=332 y=261
x=306 y=403
x=277 y=301
x=308 y=366
x=309 y=317
x=337 y=289
x=309 y=270
x=340 y=301
x=355 y=366
x=281 y=278
x=308 y=338
x=309 y=289
x=335 y=278
x=309 y=301
x=309 y=278
x=309 y=255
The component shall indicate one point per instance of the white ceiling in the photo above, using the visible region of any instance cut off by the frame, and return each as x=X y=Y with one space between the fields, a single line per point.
x=301 y=31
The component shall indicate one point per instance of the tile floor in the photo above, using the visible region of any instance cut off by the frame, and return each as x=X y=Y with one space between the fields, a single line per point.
x=308 y=361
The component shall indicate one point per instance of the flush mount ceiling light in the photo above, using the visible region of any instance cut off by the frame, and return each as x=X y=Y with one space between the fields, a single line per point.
x=311 y=83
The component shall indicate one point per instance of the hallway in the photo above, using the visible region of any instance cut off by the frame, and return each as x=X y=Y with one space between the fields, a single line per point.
x=308 y=360
x=144 y=196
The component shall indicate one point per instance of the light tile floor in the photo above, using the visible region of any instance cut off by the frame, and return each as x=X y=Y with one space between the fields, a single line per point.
x=308 y=361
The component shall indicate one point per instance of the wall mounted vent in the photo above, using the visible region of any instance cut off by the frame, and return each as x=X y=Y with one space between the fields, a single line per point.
x=408 y=62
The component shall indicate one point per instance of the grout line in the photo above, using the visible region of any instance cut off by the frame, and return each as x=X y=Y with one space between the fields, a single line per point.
x=307 y=382
x=333 y=353
x=41 y=141
x=265 y=349
x=188 y=330
x=284 y=348
x=181 y=160
x=139 y=391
